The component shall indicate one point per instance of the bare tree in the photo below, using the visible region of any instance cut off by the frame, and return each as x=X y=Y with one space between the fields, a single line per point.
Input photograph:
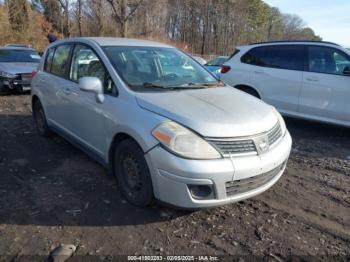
x=123 y=11
x=66 y=24
x=18 y=14
x=79 y=6
x=198 y=26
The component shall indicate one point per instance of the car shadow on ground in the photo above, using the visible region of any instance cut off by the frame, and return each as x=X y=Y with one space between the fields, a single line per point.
x=50 y=182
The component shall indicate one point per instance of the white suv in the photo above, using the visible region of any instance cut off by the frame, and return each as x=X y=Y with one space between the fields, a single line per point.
x=301 y=79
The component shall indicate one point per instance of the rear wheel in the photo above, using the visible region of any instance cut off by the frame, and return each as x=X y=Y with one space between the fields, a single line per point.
x=40 y=120
x=131 y=170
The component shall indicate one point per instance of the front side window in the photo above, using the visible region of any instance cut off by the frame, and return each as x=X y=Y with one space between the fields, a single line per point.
x=157 y=66
x=85 y=62
x=60 y=60
x=281 y=56
x=19 y=55
x=327 y=60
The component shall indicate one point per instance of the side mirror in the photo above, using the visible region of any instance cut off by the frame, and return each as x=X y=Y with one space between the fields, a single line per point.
x=92 y=85
x=346 y=71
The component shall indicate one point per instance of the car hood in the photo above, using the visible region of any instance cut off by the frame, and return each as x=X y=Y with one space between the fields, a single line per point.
x=18 y=68
x=212 y=112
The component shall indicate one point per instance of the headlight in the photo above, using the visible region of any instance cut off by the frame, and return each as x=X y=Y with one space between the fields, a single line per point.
x=281 y=121
x=6 y=75
x=184 y=142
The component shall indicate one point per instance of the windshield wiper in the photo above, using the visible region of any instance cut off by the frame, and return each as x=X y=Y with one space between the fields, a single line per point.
x=206 y=84
x=149 y=84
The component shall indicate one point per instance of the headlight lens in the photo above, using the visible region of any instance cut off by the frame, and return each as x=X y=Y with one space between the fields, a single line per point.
x=184 y=142
x=6 y=75
x=281 y=121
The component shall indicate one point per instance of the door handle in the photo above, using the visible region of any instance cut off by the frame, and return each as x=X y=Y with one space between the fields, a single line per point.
x=312 y=78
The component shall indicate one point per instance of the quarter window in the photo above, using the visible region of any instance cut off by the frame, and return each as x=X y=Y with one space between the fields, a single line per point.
x=281 y=56
x=85 y=62
x=327 y=60
x=48 y=61
x=60 y=60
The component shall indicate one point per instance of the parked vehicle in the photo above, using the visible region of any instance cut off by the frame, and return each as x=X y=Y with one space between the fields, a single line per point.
x=200 y=60
x=214 y=65
x=16 y=66
x=308 y=80
x=172 y=133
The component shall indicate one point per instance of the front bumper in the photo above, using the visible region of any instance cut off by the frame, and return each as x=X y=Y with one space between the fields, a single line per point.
x=16 y=84
x=172 y=175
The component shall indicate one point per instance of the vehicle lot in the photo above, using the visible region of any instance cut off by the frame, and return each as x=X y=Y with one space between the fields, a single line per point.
x=52 y=193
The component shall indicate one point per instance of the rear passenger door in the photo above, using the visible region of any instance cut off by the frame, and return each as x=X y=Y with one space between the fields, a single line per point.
x=56 y=85
x=326 y=90
x=277 y=74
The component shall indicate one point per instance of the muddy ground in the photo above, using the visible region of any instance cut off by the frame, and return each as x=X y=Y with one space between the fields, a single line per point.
x=52 y=193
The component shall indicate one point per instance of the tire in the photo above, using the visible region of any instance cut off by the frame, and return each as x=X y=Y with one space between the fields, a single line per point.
x=40 y=120
x=131 y=170
x=250 y=91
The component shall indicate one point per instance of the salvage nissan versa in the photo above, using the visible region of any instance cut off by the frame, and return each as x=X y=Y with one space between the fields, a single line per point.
x=160 y=121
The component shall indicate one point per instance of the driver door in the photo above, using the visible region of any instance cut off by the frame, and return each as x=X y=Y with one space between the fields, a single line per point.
x=326 y=88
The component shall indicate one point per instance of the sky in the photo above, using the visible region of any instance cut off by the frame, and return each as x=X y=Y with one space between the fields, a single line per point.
x=330 y=19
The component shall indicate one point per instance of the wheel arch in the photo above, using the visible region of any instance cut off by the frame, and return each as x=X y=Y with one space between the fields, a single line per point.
x=243 y=87
x=35 y=98
x=117 y=139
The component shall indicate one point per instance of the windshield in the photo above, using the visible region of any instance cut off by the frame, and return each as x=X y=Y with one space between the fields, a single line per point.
x=217 y=61
x=13 y=55
x=157 y=67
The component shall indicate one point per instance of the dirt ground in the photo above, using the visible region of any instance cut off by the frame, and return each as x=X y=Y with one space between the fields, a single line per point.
x=52 y=193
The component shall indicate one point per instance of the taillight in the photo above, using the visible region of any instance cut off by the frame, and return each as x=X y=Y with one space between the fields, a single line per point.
x=225 y=69
x=34 y=72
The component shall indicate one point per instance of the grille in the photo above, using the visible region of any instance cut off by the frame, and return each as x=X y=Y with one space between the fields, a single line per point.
x=274 y=134
x=244 y=185
x=230 y=147
x=234 y=147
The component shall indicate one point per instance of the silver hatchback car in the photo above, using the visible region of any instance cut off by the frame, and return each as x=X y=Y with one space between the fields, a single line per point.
x=164 y=125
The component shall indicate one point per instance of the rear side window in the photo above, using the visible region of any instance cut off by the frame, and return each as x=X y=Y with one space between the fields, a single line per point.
x=280 y=56
x=48 y=60
x=233 y=54
x=60 y=60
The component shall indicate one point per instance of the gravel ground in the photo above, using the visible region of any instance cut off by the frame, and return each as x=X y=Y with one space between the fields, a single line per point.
x=52 y=193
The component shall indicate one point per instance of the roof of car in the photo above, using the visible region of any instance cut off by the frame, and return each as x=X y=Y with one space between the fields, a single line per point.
x=116 y=41
x=296 y=42
x=16 y=48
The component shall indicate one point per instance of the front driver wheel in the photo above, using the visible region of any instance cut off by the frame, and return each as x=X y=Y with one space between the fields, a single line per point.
x=131 y=170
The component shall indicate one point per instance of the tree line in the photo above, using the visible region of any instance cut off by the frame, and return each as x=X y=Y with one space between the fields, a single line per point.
x=199 y=26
